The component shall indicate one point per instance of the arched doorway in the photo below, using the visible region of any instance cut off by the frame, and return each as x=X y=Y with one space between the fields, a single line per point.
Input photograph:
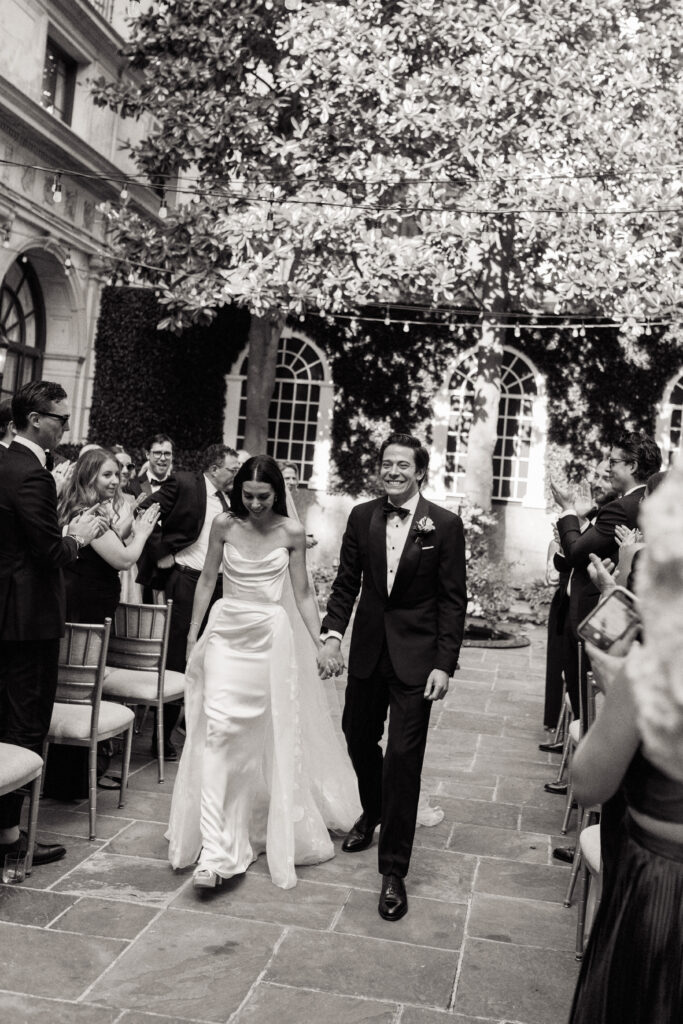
x=22 y=326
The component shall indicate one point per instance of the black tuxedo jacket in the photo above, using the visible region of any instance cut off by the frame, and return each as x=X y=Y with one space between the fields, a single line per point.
x=143 y=485
x=423 y=618
x=182 y=500
x=32 y=550
x=598 y=539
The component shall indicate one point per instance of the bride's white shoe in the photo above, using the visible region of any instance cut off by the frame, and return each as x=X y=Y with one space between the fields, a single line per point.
x=205 y=878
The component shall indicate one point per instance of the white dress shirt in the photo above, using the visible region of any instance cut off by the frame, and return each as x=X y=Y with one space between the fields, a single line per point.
x=194 y=556
x=397 y=534
x=35 y=448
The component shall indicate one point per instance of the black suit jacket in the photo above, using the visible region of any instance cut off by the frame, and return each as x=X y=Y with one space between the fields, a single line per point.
x=32 y=550
x=182 y=500
x=423 y=618
x=598 y=539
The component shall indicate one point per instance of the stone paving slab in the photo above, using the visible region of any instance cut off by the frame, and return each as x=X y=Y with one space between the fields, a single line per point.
x=515 y=982
x=190 y=965
x=428 y=923
x=127 y=878
x=39 y=962
x=21 y=905
x=114 y=918
x=358 y=966
x=270 y=1002
x=253 y=896
x=22 y=1009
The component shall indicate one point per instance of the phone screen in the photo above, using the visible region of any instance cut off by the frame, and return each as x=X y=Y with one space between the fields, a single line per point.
x=610 y=620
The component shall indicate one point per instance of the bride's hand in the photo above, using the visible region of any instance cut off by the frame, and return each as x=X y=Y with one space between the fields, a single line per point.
x=191 y=641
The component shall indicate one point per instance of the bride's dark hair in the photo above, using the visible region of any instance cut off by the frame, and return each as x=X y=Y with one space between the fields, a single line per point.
x=266 y=471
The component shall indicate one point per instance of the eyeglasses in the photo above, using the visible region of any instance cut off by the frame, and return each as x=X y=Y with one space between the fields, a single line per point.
x=613 y=462
x=64 y=420
x=161 y=455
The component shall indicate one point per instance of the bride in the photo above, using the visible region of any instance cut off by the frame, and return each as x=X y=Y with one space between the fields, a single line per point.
x=263 y=767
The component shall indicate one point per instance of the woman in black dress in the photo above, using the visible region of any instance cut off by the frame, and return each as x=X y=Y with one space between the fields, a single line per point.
x=93 y=583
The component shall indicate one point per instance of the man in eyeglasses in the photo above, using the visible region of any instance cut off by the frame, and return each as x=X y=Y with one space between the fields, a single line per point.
x=175 y=553
x=159 y=455
x=32 y=604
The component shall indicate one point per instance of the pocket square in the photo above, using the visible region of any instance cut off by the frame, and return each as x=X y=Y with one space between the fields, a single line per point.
x=430 y=548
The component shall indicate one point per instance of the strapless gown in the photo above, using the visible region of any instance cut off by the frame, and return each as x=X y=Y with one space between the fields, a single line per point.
x=263 y=767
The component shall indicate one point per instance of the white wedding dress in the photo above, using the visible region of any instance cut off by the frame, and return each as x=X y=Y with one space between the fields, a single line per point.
x=264 y=767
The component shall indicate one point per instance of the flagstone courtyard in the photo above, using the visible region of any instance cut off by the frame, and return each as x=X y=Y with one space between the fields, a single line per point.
x=110 y=934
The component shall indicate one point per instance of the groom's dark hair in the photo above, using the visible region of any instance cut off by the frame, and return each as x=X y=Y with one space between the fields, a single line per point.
x=420 y=453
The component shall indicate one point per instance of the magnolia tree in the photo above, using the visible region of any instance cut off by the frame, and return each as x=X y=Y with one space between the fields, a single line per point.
x=509 y=156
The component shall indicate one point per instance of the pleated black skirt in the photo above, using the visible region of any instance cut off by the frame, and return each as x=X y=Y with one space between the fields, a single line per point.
x=632 y=970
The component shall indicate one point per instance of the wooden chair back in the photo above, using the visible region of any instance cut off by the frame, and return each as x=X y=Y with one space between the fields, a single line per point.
x=82 y=659
x=139 y=638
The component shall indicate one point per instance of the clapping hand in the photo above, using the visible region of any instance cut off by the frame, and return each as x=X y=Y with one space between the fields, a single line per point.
x=625 y=537
x=601 y=573
x=88 y=525
x=146 y=521
x=583 y=499
x=563 y=498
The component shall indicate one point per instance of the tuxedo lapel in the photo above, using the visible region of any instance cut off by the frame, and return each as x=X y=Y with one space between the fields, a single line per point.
x=410 y=556
x=377 y=548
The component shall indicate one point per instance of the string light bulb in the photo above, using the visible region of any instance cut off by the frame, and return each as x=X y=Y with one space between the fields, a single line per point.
x=406 y=328
x=163 y=209
x=68 y=263
x=57 y=188
x=124 y=193
x=517 y=331
x=5 y=237
x=387 y=320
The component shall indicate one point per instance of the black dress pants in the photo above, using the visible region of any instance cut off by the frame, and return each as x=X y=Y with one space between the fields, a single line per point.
x=389 y=785
x=28 y=683
x=180 y=588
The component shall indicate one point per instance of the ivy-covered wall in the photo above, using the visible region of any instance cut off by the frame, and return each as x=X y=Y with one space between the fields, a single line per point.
x=149 y=381
x=385 y=379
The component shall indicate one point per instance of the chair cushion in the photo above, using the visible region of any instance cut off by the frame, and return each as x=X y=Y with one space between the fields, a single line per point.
x=590 y=848
x=140 y=686
x=71 y=722
x=17 y=766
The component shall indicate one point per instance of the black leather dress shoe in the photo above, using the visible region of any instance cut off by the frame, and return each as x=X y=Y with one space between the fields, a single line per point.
x=564 y=853
x=170 y=752
x=42 y=853
x=551 y=748
x=359 y=837
x=393 y=900
x=556 y=787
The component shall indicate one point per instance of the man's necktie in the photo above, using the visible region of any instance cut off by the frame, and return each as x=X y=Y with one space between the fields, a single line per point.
x=49 y=461
x=389 y=509
x=221 y=498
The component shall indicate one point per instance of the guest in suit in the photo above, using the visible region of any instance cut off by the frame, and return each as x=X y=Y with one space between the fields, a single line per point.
x=406 y=556
x=159 y=465
x=32 y=555
x=633 y=459
x=6 y=425
x=174 y=556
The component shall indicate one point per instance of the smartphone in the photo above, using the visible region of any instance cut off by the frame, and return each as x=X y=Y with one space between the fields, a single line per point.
x=614 y=620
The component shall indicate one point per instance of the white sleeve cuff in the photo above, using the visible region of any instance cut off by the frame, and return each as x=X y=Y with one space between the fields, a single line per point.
x=328 y=634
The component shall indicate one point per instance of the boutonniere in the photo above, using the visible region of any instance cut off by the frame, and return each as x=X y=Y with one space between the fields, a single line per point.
x=423 y=527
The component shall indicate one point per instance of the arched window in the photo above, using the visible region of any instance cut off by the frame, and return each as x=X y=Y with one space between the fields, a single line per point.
x=670 y=421
x=22 y=326
x=511 y=458
x=295 y=406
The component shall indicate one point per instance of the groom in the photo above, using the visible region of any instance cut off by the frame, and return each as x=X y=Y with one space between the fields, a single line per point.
x=407 y=558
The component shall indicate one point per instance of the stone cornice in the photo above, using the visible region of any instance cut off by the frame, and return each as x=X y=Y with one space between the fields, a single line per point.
x=56 y=145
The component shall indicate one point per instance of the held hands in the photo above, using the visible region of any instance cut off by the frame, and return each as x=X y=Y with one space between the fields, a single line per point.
x=330 y=659
x=437 y=685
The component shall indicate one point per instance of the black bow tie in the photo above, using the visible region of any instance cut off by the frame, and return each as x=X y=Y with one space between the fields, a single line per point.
x=388 y=509
x=49 y=461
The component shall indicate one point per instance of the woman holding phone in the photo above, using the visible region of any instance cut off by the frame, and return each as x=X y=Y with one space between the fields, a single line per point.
x=632 y=971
